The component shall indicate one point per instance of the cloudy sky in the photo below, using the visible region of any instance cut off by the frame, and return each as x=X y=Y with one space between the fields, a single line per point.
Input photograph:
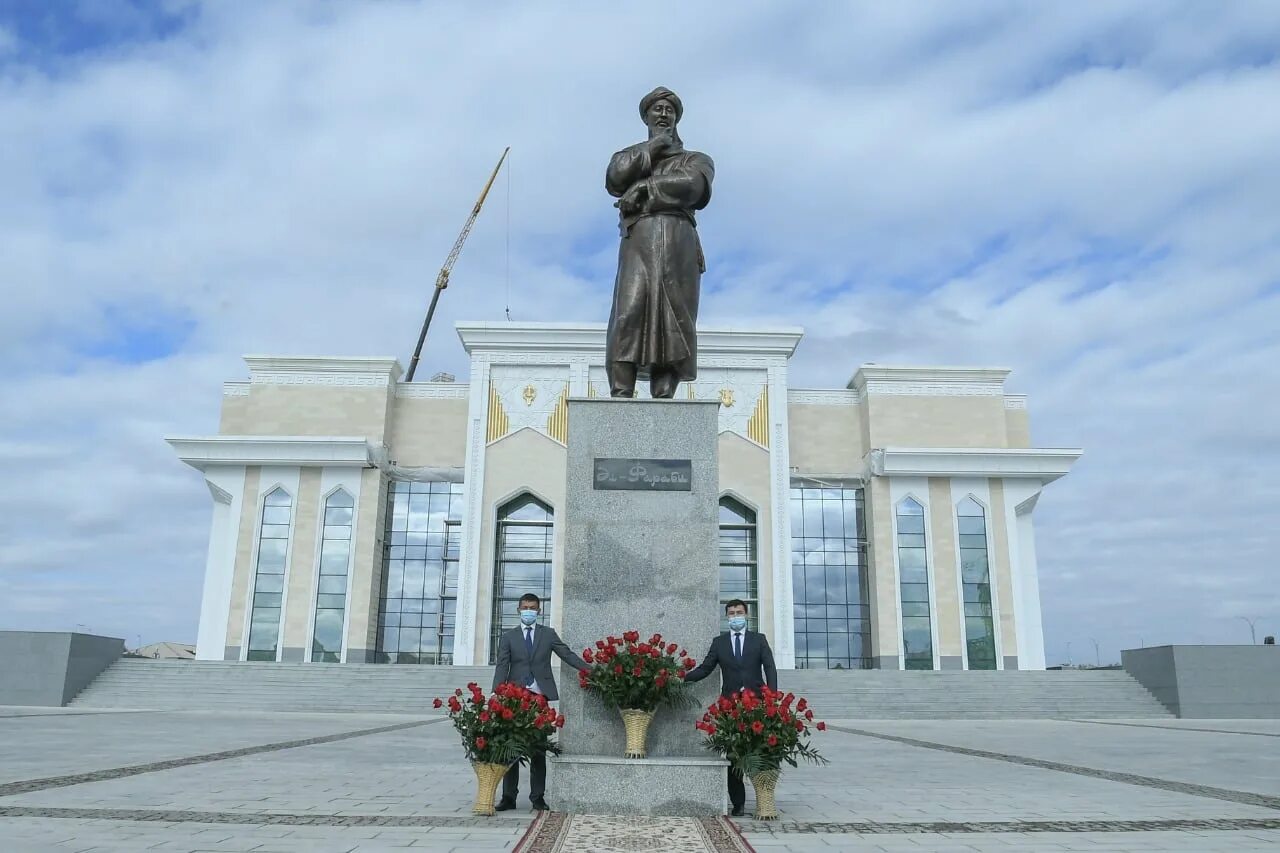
x=1087 y=193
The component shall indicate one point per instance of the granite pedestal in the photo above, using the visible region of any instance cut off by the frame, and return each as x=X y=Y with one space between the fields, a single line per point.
x=640 y=559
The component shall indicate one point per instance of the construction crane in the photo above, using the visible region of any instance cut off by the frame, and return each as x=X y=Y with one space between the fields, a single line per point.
x=442 y=280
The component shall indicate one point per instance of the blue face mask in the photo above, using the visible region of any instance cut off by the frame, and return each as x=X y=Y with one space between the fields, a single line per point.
x=737 y=623
x=528 y=617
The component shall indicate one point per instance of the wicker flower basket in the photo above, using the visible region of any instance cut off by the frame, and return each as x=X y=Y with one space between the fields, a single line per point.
x=488 y=777
x=766 y=782
x=637 y=726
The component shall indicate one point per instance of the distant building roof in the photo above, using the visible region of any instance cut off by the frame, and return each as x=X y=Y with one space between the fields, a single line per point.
x=179 y=651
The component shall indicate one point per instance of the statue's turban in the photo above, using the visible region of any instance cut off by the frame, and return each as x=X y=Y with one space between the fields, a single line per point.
x=659 y=94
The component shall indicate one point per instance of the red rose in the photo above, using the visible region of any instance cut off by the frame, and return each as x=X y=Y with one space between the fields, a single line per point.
x=617 y=669
x=454 y=705
x=773 y=741
x=801 y=705
x=484 y=717
x=507 y=714
x=539 y=723
x=711 y=729
x=757 y=727
x=799 y=726
x=560 y=722
x=600 y=644
x=808 y=715
x=679 y=673
x=436 y=704
x=742 y=727
x=587 y=655
x=689 y=663
x=671 y=648
x=822 y=727
x=480 y=743
x=638 y=670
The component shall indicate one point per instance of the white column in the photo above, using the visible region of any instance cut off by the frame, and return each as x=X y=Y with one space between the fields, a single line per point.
x=784 y=628
x=473 y=494
x=227 y=487
x=1020 y=498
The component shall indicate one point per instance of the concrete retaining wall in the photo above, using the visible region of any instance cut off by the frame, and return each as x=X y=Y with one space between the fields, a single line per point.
x=50 y=667
x=1210 y=682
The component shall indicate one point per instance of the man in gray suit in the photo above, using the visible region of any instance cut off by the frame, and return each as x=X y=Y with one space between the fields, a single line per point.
x=524 y=657
x=746 y=662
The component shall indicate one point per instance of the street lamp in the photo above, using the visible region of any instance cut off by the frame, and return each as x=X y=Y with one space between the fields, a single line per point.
x=1068 y=653
x=1097 y=655
x=1253 y=637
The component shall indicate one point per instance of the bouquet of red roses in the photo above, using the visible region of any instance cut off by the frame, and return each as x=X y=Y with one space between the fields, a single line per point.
x=627 y=673
x=757 y=734
x=636 y=677
x=508 y=726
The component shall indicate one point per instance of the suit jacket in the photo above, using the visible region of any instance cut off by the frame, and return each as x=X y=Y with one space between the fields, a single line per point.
x=515 y=664
x=737 y=674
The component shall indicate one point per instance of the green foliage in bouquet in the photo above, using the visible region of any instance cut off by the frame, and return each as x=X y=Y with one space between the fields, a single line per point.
x=627 y=673
x=509 y=725
x=757 y=733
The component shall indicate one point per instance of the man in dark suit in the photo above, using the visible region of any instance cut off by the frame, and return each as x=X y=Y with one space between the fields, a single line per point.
x=746 y=662
x=524 y=657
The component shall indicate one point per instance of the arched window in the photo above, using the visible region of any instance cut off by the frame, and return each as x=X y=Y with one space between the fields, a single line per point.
x=913 y=577
x=419 y=596
x=331 y=595
x=523 y=551
x=829 y=577
x=738 y=556
x=975 y=574
x=268 y=580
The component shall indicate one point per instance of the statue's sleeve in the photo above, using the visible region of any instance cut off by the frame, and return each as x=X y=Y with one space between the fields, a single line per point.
x=629 y=165
x=685 y=187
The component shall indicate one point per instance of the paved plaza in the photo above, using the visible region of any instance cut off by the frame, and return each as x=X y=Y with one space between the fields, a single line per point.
x=74 y=781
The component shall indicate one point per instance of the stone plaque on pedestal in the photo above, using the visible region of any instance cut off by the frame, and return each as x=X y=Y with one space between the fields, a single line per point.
x=643 y=559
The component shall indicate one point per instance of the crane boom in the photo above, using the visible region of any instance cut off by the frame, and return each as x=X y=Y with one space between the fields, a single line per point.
x=442 y=278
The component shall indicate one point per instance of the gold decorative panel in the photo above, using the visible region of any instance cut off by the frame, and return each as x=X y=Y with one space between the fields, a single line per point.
x=499 y=423
x=758 y=426
x=558 y=423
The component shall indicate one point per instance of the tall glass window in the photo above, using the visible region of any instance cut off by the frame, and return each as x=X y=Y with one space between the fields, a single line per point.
x=829 y=578
x=419 y=597
x=975 y=575
x=913 y=575
x=523 y=556
x=331 y=596
x=268 y=580
x=738 y=576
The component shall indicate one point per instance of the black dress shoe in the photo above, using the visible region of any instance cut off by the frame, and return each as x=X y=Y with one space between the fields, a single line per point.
x=504 y=805
x=540 y=805
x=737 y=811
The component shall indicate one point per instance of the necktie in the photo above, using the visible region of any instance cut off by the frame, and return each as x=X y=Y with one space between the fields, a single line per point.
x=737 y=646
x=528 y=644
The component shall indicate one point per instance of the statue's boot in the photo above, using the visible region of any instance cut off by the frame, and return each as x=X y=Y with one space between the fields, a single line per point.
x=663 y=383
x=622 y=379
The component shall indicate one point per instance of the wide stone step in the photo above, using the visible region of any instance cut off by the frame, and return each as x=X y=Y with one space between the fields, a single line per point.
x=836 y=694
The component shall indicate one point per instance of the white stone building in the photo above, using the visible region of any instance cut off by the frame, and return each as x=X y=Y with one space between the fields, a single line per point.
x=358 y=518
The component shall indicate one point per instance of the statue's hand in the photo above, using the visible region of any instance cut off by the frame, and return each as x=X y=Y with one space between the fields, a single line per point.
x=633 y=199
x=661 y=145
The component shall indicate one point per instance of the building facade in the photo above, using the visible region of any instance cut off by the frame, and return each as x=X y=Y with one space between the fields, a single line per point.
x=358 y=518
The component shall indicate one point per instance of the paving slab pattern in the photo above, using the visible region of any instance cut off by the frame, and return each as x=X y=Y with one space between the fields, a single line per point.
x=190 y=781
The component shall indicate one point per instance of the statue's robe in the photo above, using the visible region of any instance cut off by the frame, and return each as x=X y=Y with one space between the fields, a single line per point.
x=653 y=323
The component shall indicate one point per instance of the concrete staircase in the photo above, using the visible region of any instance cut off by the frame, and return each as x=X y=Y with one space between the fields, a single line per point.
x=838 y=694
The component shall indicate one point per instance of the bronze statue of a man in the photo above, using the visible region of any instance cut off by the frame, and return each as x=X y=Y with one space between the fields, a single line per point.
x=659 y=185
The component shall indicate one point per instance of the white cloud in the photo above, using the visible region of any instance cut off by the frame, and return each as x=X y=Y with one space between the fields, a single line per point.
x=1085 y=194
